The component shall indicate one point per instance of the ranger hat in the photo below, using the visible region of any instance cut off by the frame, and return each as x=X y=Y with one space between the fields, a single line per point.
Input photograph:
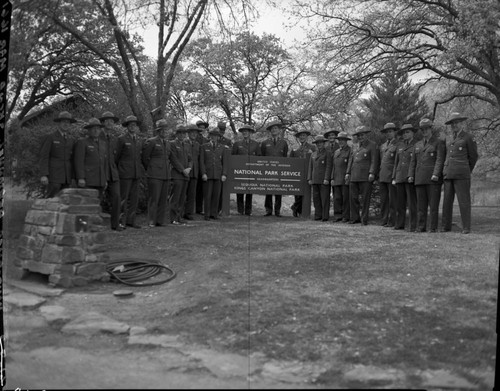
x=343 y=136
x=180 y=128
x=455 y=117
x=190 y=127
x=388 y=126
x=214 y=132
x=129 y=119
x=200 y=122
x=319 y=139
x=161 y=123
x=425 y=123
x=93 y=122
x=406 y=127
x=247 y=127
x=274 y=123
x=330 y=132
x=301 y=132
x=109 y=114
x=65 y=115
x=361 y=129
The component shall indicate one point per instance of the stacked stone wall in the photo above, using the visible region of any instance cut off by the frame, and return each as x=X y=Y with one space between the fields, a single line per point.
x=64 y=237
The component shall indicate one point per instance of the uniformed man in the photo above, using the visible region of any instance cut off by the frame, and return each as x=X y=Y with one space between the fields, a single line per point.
x=341 y=201
x=388 y=196
x=247 y=147
x=182 y=165
x=213 y=172
x=221 y=125
x=203 y=126
x=461 y=157
x=303 y=151
x=193 y=132
x=426 y=172
x=274 y=146
x=130 y=169
x=406 y=196
x=108 y=119
x=360 y=175
x=91 y=158
x=318 y=176
x=56 y=156
x=331 y=136
x=156 y=155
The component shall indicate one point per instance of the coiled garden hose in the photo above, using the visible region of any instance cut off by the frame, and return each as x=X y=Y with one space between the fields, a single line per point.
x=130 y=270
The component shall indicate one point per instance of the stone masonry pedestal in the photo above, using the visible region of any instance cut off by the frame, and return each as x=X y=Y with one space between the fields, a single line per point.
x=64 y=238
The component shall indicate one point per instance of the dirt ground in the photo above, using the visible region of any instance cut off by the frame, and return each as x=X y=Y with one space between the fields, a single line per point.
x=279 y=303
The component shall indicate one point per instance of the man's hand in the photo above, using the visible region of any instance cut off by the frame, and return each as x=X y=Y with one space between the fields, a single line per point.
x=393 y=181
x=434 y=178
x=186 y=172
x=325 y=182
x=410 y=179
x=310 y=182
x=223 y=178
x=204 y=178
x=371 y=178
x=44 y=180
x=347 y=178
x=81 y=182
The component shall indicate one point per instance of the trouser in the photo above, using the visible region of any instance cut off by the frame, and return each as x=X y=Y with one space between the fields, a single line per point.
x=199 y=195
x=341 y=202
x=321 y=201
x=158 y=190
x=189 y=206
x=244 y=203
x=177 y=198
x=54 y=188
x=388 y=203
x=460 y=187
x=411 y=200
x=219 y=206
x=297 y=205
x=129 y=192
x=211 y=193
x=113 y=195
x=428 y=197
x=363 y=189
x=268 y=203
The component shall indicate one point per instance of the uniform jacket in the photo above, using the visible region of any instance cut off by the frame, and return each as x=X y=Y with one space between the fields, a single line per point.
x=225 y=141
x=461 y=156
x=156 y=155
x=242 y=147
x=213 y=160
x=363 y=162
x=269 y=148
x=56 y=158
x=128 y=157
x=303 y=151
x=181 y=158
x=320 y=167
x=194 y=150
x=332 y=148
x=402 y=162
x=427 y=161
x=91 y=161
x=387 y=158
x=112 y=148
x=341 y=159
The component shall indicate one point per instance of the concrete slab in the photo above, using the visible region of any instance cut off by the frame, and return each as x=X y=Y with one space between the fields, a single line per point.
x=93 y=323
x=445 y=379
x=23 y=300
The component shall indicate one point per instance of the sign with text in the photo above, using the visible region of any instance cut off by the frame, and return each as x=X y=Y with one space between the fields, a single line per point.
x=267 y=175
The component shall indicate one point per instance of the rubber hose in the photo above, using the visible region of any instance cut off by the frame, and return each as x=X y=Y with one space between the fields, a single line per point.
x=134 y=270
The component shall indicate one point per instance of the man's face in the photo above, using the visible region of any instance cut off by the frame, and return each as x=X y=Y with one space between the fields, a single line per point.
x=302 y=137
x=408 y=134
x=361 y=137
x=245 y=133
x=108 y=123
x=332 y=137
x=390 y=134
x=342 y=142
x=180 y=135
x=162 y=132
x=275 y=130
x=94 y=131
x=132 y=127
x=65 y=125
x=320 y=145
x=426 y=131
x=214 y=138
x=456 y=126
x=193 y=134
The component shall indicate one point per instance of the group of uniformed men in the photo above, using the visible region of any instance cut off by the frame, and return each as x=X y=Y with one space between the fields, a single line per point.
x=187 y=170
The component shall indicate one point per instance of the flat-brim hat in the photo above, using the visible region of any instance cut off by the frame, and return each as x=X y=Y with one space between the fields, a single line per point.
x=109 y=115
x=247 y=127
x=455 y=117
x=129 y=119
x=180 y=129
x=343 y=136
x=302 y=132
x=319 y=139
x=274 y=123
x=389 y=126
x=425 y=123
x=330 y=132
x=406 y=127
x=193 y=127
x=214 y=132
x=93 y=122
x=160 y=124
x=361 y=130
x=200 y=122
x=65 y=115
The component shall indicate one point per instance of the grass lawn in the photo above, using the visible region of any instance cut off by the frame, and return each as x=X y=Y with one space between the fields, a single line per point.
x=330 y=294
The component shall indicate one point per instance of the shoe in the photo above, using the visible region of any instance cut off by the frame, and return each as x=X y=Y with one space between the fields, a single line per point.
x=339 y=219
x=465 y=231
x=390 y=225
x=199 y=213
x=214 y=217
x=151 y=225
x=248 y=213
x=277 y=214
x=354 y=221
x=175 y=222
x=399 y=228
x=432 y=231
x=364 y=222
x=445 y=229
x=268 y=214
x=134 y=226
x=345 y=220
x=420 y=230
x=324 y=219
x=384 y=225
x=294 y=211
x=317 y=218
x=119 y=228
x=188 y=217
x=207 y=218
x=160 y=225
